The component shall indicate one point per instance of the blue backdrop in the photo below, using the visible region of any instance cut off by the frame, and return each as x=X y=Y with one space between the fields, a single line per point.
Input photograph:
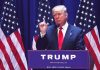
x=27 y=14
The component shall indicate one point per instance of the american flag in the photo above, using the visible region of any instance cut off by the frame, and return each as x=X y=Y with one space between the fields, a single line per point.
x=12 y=53
x=85 y=19
x=44 y=14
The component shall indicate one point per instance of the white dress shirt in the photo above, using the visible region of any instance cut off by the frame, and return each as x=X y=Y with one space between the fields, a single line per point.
x=64 y=29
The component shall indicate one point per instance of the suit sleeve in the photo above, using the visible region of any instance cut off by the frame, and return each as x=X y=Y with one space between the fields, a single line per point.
x=42 y=43
x=80 y=41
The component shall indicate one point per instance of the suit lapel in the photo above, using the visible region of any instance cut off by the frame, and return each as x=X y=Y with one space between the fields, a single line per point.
x=68 y=34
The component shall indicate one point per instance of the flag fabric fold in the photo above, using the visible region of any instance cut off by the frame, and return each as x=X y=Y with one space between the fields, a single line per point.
x=12 y=53
x=85 y=19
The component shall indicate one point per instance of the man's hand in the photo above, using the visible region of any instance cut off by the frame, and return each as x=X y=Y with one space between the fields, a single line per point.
x=43 y=27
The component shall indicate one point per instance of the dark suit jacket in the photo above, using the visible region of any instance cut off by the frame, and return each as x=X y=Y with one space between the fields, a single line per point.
x=73 y=39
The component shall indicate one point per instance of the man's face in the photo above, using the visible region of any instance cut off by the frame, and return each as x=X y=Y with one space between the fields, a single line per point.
x=60 y=17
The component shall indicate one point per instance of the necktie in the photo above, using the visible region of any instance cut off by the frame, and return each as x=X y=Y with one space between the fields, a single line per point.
x=60 y=38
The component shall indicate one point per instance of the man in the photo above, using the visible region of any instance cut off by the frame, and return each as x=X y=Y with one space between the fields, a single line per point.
x=60 y=35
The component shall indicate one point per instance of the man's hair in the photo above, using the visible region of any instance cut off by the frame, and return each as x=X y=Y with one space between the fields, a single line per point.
x=59 y=8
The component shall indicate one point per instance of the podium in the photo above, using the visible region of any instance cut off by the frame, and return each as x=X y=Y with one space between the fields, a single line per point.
x=59 y=59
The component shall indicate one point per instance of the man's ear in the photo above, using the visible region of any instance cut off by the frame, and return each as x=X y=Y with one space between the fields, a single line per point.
x=66 y=14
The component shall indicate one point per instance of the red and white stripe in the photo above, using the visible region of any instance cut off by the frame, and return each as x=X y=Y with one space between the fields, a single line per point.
x=93 y=45
x=3 y=62
x=34 y=44
x=94 y=68
x=12 y=51
x=35 y=38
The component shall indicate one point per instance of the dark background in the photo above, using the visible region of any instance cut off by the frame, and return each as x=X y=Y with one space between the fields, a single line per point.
x=27 y=14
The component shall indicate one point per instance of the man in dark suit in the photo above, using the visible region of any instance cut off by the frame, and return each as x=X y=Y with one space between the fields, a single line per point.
x=61 y=35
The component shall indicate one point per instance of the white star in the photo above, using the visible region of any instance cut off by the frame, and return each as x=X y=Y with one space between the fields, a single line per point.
x=48 y=18
x=89 y=20
x=91 y=3
x=81 y=17
x=6 y=2
x=38 y=20
x=78 y=11
x=39 y=2
x=12 y=27
x=47 y=23
x=4 y=25
x=84 y=1
x=13 y=16
x=85 y=19
x=5 y=19
x=49 y=7
x=45 y=5
x=39 y=15
x=36 y=26
x=83 y=6
x=94 y=16
x=86 y=13
x=46 y=0
x=44 y=17
x=7 y=31
x=35 y=31
x=6 y=14
x=41 y=9
x=11 y=4
x=4 y=7
x=13 y=22
x=76 y=16
x=83 y=30
x=48 y=12
x=79 y=5
x=94 y=22
x=42 y=4
x=9 y=15
x=2 y=18
x=82 y=12
x=7 y=8
x=91 y=9
x=8 y=26
x=9 y=20
x=80 y=23
x=84 y=24
x=87 y=2
x=14 y=11
x=45 y=11
x=10 y=9
x=52 y=19
x=17 y=24
x=89 y=26
x=3 y=13
x=90 y=15
x=87 y=8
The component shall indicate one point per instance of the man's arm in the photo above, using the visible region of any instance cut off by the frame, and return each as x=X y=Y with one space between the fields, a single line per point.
x=42 y=43
x=80 y=41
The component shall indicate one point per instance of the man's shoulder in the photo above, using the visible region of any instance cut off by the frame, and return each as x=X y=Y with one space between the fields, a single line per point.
x=51 y=27
x=75 y=27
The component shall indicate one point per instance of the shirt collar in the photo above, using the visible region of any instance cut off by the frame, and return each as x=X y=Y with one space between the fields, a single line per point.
x=65 y=26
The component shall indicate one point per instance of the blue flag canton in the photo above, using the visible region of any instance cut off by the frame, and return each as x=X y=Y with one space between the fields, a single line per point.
x=9 y=22
x=85 y=17
x=43 y=14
